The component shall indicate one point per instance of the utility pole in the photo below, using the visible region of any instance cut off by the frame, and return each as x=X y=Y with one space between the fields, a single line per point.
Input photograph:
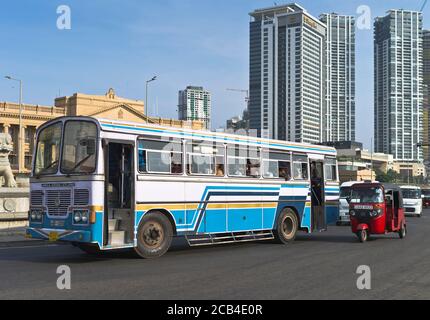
x=371 y=159
x=20 y=142
x=145 y=108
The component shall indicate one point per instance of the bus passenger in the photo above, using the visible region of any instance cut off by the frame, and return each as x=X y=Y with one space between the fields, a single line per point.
x=220 y=170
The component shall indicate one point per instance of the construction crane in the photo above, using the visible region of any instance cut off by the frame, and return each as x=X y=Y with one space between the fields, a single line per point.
x=246 y=92
x=424 y=5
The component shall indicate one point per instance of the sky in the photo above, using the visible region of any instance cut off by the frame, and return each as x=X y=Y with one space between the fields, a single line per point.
x=123 y=43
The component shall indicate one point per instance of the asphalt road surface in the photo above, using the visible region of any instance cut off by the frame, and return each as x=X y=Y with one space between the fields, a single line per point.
x=317 y=266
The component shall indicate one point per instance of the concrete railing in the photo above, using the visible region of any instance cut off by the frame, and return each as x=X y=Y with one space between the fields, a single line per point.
x=14 y=204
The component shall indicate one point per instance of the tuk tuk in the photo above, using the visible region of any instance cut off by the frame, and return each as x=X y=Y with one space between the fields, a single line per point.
x=426 y=197
x=376 y=208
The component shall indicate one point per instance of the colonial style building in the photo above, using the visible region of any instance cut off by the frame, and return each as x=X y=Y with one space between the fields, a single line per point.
x=108 y=106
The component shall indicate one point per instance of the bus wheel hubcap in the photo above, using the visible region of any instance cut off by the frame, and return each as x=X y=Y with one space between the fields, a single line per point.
x=287 y=227
x=153 y=234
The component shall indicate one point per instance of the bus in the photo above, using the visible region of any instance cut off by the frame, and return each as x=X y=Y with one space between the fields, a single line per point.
x=107 y=185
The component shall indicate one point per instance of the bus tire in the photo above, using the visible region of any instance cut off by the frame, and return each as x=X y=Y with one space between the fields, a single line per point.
x=154 y=235
x=287 y=226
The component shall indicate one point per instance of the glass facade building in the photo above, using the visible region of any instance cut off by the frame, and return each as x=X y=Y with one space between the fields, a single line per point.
x=339 y=110
x=398 y=112
x=287 y=74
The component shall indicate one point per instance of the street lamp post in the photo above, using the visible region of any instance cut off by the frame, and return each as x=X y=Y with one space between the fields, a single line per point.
x=20 y=148
x=145 y=108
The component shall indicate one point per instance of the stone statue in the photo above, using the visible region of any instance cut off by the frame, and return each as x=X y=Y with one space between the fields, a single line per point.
x=5 y=169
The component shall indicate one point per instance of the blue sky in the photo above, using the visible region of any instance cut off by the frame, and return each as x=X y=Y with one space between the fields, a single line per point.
x=121 y=44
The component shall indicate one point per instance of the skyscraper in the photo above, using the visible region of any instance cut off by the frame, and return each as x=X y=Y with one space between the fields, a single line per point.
x=194 y=103
x=339 y=110
x=398 y=84
x=287 y=74
x=426 y=101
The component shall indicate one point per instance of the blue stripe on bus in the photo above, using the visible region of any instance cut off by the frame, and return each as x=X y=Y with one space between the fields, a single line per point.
x=184 y=134
x=205 y=220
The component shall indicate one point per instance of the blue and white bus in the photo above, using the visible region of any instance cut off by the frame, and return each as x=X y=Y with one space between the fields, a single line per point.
x=106 y=185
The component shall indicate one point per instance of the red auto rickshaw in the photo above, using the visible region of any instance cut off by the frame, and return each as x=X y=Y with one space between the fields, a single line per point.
x=426 y=197
x=376 y=208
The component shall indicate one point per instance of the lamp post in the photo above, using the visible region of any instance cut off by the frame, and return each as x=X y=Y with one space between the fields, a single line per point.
x=145 y=109
x=20 y=122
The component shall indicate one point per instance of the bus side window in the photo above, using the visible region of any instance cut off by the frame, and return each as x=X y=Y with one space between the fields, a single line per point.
x=142 y=160
x=276 y=165
x=243 y=161
x=330 y=171
x=162 y=157
x=300 y=167
x=205 y=158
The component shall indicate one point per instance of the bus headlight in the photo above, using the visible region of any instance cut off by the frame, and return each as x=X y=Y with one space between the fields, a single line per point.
x=77 y=217
x=36 y=216
x=80 y=216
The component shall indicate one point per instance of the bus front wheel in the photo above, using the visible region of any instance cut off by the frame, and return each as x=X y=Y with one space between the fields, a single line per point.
x=287 y=226
x=154 y=235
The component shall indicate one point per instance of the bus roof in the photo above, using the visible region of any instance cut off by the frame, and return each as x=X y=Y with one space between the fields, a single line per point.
x=152 y=129
x=137 y=128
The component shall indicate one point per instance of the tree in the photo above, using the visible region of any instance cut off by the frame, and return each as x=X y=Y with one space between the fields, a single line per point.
x=390 y=177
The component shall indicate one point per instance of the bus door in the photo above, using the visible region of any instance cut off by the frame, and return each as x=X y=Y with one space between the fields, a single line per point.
x=319 y=221
x=119 y=193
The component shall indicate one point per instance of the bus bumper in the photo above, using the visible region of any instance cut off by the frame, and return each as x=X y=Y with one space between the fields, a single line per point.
x=58 y=235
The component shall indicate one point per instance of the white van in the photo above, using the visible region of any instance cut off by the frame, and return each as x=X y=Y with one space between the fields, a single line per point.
x=412 y=200
x=344 y=196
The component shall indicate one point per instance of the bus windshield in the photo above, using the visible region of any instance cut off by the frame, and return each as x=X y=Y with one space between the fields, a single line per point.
x=79 y=147
x=367 y=195
x=48 y=150
x=411 y=193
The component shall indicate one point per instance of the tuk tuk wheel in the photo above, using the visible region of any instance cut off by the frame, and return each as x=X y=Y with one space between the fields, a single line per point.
x=363 y=235
x=403 y=232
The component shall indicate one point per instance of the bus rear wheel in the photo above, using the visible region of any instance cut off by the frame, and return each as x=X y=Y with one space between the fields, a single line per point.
x=286 y=227
x=154 y=235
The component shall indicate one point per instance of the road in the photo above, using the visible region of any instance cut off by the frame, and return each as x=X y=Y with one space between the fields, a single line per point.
x=318 y=266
